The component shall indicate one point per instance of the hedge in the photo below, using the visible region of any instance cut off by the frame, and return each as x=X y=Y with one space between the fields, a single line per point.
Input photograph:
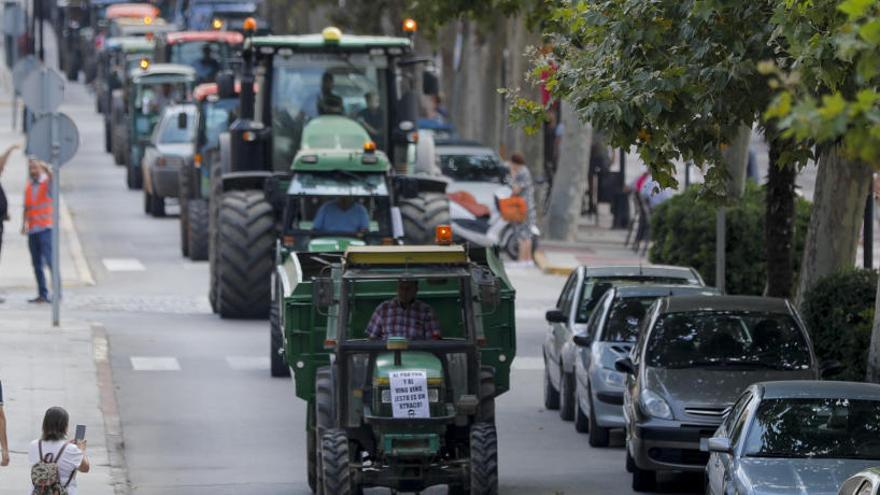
x=839 y=314
x=683 y=233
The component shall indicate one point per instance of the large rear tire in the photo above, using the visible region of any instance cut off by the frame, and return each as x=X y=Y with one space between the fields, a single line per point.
x=422 y=214
x=157 y=206
x=213 y=221
x=197 y=222
x=246 y=236
x=183 y=199
x=484 y=459
x=325 y=419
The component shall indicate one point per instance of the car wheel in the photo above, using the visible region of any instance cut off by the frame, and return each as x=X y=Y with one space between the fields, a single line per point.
x=599 y=436
x=630 y=464
x=566 y=395
x=581 y=422
x=643 y=480
x=551 y=395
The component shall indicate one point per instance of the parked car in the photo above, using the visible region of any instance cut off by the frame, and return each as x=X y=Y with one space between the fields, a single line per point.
x=801 y=437
x=608 y=336
x=865 y=482
x=169 y=149
x=579 y=295
x=690 y=363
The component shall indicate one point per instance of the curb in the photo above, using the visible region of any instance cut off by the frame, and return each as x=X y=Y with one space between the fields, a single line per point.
x=112 y=424
x=545 y=266
x=76 y=249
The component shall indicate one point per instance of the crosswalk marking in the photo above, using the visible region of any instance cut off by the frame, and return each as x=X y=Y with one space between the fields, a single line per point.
x=530 y=363
x=154 y=363
x=248 y=363
x=123 y=265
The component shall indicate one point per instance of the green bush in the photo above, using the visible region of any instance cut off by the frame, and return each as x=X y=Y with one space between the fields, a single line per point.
x=839 y=313
x=683 y=233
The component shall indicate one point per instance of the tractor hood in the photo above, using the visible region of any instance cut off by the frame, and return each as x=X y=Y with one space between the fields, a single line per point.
x=410 y=360
x=333 y=244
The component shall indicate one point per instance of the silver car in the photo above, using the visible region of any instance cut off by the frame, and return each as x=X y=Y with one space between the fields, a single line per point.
x=865 y=482
x=582 y=290
x=804 y=437
x=609 y=335
x=692 y=360
x=169 y=149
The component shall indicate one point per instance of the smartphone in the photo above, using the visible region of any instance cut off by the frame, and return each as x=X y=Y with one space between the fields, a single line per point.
x=80 y=433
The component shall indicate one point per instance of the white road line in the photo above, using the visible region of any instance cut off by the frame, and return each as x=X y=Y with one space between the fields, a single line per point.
x=154 y=363
x=528 y=363
x=248 y=363
x=123 y=265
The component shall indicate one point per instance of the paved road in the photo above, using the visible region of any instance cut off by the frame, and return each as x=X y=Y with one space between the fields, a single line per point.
x=200 y=413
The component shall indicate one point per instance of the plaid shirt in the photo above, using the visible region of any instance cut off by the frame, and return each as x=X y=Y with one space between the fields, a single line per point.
x=417 y=322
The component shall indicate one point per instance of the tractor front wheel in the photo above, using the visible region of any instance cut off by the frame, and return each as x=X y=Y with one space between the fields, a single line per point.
x=422 y=214
x=197 y=223
x=246 y=236
x=336 y=464
x=278 y=366
x=484 y=459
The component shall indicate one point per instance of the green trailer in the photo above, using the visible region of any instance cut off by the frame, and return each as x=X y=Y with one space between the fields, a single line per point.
x=363 y=429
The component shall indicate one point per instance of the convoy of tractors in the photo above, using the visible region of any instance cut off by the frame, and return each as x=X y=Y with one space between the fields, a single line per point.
x=253 y=135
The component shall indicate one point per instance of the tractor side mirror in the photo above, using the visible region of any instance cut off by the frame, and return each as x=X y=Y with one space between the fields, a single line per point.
x=322 y=292
x=625 y=365
x=182 y=120
x=488 y=287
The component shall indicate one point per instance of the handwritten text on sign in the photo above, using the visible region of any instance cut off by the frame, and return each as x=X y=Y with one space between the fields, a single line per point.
x=409 y=394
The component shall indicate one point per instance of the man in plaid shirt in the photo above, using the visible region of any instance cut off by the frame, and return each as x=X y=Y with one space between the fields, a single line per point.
x=404 y=316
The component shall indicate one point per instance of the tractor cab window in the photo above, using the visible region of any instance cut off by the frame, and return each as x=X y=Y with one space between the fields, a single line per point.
x=305 y=86
x=339 y=202
x=151 y=99
x=206 y=57
x=216 y=117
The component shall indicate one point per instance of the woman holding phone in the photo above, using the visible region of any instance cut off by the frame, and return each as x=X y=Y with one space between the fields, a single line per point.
x=53 y=447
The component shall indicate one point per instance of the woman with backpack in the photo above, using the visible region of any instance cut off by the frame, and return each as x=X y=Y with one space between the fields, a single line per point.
x=54 y=459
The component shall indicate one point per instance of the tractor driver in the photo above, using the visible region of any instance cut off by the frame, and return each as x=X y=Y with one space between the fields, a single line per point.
x=404 y=316
x=342 y=215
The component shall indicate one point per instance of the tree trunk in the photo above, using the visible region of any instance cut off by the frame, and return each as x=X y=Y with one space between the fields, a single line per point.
x=838 y=207
x=873 y=372
x=571 y=177
x=779 y=225
x=736 y=157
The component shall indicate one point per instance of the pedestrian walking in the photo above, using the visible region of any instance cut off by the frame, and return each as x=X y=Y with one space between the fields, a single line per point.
x=4 y=204
x=4 y=440
x=54 y=459
x=523 y=187
x=37 y=223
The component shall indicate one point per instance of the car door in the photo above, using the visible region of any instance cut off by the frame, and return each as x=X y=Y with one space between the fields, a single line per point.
x=554 y=341
x=720 y=467
x=563 y=331
x=593 y=330
x=151 y=151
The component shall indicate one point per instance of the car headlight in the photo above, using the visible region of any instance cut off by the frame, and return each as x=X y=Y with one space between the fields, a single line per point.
x=433 y=395
x=653 y=405
x=612 y=378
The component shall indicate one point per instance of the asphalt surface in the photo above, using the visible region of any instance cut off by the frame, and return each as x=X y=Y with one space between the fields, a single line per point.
x=200 y=413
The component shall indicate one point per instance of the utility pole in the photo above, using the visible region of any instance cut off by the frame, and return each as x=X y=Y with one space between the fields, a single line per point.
x=868 y=234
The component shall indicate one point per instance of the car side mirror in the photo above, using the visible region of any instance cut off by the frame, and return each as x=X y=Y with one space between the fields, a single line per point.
x=830 y=368
x=625 y=365
x=720 y=445
x=555 y=316
x=182 y=120
x=322 y=292
x=581 y=340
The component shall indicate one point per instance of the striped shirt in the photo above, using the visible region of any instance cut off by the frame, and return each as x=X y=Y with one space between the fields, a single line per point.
x=416 y=322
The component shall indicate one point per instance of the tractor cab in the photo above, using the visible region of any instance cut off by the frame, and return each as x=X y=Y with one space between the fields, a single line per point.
x=339 y=193
x=120 y=57
x=151 y=90
x=403 y=408
x=208 y=52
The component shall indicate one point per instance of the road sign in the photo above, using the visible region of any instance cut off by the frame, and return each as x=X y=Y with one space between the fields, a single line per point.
x=21 y=70
x=43 y=90
x=13 y=19
x=41 y=135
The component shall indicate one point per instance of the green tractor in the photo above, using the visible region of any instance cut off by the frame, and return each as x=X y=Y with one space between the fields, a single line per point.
x=135 y=111
x=397 y=413
x=116 y=64
x=365 y=84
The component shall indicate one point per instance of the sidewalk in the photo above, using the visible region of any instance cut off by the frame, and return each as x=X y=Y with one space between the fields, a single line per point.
x=42 y=366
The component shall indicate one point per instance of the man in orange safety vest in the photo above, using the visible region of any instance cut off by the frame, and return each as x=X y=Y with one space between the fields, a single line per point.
x=38 y=205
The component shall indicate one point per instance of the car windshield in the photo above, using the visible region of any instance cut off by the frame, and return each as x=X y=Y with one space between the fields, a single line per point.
x=171 y=133
x=218 y=115
x=818 y=428
x=589 y=298
x=727 y=338
x=622 y=322
x=305 y=86
x=473 y=168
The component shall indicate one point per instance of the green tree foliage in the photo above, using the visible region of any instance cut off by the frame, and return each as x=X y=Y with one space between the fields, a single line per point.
x=838 y=312
x=683 y=229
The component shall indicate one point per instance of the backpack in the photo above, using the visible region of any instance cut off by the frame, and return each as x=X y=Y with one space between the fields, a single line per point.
x=46 y=476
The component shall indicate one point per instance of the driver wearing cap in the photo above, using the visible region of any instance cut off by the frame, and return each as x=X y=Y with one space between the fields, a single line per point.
x=404 y=316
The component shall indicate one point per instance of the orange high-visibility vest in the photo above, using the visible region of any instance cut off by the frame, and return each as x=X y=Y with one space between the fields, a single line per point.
x=38 y=210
